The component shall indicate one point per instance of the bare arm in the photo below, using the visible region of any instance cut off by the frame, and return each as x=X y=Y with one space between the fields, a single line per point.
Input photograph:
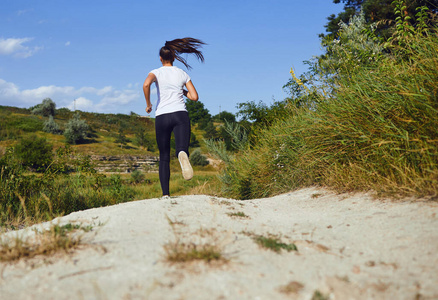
x=192 y=94
x=147 y=91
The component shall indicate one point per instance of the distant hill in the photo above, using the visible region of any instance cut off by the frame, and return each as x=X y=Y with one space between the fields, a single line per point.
x=103 y=138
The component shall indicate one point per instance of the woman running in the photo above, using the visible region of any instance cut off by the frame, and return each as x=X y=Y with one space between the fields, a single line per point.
x=171 y=114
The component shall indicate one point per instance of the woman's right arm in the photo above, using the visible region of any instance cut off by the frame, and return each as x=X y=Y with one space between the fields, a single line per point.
x=191 y=92
x=147 y=91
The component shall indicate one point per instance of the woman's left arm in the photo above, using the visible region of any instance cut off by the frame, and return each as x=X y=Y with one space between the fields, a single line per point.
x=147 y=91
x=192 y=94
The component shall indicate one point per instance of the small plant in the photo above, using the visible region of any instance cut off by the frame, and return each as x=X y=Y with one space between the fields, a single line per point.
x=273 y=243
x=317 y=195
x=181 y=252
x=137 y=176
x=292 y=287
x=317 y=295
x=57 y=238
x=239 y=214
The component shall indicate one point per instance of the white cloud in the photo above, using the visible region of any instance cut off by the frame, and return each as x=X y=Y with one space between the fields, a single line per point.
x=67 y=44
x=104 y=100
x=16 y=48
x=23 y=12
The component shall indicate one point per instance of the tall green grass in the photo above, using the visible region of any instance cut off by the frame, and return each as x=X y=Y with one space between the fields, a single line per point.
x=379 y=131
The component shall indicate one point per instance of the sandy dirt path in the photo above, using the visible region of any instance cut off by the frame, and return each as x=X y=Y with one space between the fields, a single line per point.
x=349 y=247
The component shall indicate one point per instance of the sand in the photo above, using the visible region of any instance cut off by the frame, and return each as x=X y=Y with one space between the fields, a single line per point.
x=349 y=246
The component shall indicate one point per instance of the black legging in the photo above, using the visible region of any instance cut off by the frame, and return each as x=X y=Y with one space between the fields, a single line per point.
x=179 y=123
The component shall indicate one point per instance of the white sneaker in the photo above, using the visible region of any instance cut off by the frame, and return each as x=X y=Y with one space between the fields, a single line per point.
x=187 y=170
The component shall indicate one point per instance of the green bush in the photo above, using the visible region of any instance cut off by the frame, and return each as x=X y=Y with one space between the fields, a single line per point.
x=50 y=126
x=197 y=159
x=137 y=176
x=194 y=143
x=76 y=130
x=34 y=152
x=144 y=140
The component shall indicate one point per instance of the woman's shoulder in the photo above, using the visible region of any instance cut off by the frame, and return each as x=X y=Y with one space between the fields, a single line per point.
x=172 y=71
x=155 y=71
x=181 y=72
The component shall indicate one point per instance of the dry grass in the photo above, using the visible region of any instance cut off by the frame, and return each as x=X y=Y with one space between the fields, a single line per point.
x=46 y=243
x=239 y=214
x=181 y=252
x=203 y=245
x=293 y=287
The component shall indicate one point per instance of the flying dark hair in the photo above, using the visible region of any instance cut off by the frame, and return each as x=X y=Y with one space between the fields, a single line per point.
x=173 y=49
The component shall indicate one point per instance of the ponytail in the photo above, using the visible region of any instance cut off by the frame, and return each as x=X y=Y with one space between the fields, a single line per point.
x=173 y=49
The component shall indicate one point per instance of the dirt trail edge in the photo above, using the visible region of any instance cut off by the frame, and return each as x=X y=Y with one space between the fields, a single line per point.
x=348 y=247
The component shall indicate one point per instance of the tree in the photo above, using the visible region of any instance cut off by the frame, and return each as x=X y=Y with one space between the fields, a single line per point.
x=142 y=139
x=46 y=108
x=374 y=11
x=261 y=114
x=225 y=116
x=76 y=130
x=210 y=131
x=197 y=111
x=121 y=138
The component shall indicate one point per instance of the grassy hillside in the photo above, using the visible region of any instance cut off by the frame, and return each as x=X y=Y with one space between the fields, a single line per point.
x=101 y=140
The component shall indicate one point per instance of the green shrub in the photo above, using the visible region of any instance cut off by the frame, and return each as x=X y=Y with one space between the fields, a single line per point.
x=194 y=143
x=144 y=140
x=34 y=152
x=137 y=176
x=76 y=130
x=50 y=126
x=197 y=159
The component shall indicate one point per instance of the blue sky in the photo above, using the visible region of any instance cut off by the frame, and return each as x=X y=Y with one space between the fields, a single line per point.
x=96 y=54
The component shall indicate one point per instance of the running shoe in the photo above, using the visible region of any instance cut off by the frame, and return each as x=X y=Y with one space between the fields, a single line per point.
x=186 y=168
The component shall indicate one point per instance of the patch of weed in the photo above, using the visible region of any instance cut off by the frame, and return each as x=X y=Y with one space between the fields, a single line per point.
x=317 y=295
x=292 y=287
x=239 y=214
x=273 y=243
x=57 y=238
x=182 y=252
